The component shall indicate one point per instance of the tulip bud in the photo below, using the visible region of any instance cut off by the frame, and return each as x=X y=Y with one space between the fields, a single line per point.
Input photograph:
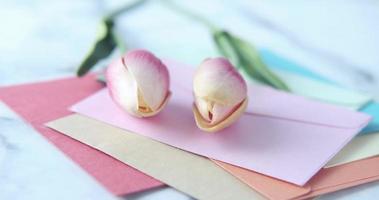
x=220 y=94
x=139 y=83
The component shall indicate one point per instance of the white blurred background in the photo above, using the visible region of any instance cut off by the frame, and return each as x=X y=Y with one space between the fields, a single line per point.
x=338 y=39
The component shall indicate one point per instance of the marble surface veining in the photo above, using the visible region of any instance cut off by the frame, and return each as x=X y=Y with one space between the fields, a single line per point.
x=32 y=168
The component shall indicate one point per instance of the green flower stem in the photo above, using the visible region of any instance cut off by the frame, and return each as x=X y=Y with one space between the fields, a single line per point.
x=173 y=6
x=114 y=14
x=107 y=39
x=103 y=47
x=241 y=53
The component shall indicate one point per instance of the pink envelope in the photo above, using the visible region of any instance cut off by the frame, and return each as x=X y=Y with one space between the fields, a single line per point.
x=39 y=103
x=281 y=135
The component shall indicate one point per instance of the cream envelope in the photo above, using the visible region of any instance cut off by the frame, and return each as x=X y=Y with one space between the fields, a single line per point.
x=281 y=135
x=189 y=173
x=360 y=147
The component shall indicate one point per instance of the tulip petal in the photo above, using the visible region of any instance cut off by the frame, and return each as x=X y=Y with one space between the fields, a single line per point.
x=205 y=126
x=202 y=106
x=211 y=112
x=123 y=87
x=151 y=76
x=154 y=112
x=221 y=112
x=217 y=80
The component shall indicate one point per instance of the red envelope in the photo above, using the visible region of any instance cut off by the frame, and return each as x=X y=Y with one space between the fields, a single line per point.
x=39 y=103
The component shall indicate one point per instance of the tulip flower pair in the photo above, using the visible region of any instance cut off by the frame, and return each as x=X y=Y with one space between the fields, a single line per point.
x=139 y=83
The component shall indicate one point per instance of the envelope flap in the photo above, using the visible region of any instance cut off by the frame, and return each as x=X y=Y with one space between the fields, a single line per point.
x=273 y=103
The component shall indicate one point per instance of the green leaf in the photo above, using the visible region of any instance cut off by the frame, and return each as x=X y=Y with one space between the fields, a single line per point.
x=252 y=63
x=225 y=46
x=102 y=48
x=246 y=57
x=107 y=39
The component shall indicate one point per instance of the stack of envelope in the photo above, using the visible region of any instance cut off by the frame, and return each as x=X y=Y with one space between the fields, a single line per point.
x=286 y=146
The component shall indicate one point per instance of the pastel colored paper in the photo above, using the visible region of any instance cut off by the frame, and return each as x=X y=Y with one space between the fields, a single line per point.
x=323 y=91
x=326 y=181
x=277 y=62
x=114 y=141
x=194 y=175
x=361 y=147
x=39 y=103
x=373 y=110
x=279 y=136
x=358 y=148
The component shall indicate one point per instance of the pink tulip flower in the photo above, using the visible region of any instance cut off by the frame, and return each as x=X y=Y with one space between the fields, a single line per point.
x=220 y=94
x=139 y=83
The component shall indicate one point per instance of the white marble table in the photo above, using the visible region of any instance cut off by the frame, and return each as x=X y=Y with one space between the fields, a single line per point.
x=43 y=39
x=32 y=168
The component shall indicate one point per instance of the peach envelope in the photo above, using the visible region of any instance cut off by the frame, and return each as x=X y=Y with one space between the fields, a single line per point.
x=325 y=181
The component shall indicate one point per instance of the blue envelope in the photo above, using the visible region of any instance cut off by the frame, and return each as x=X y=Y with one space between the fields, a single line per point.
x=281 y=64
